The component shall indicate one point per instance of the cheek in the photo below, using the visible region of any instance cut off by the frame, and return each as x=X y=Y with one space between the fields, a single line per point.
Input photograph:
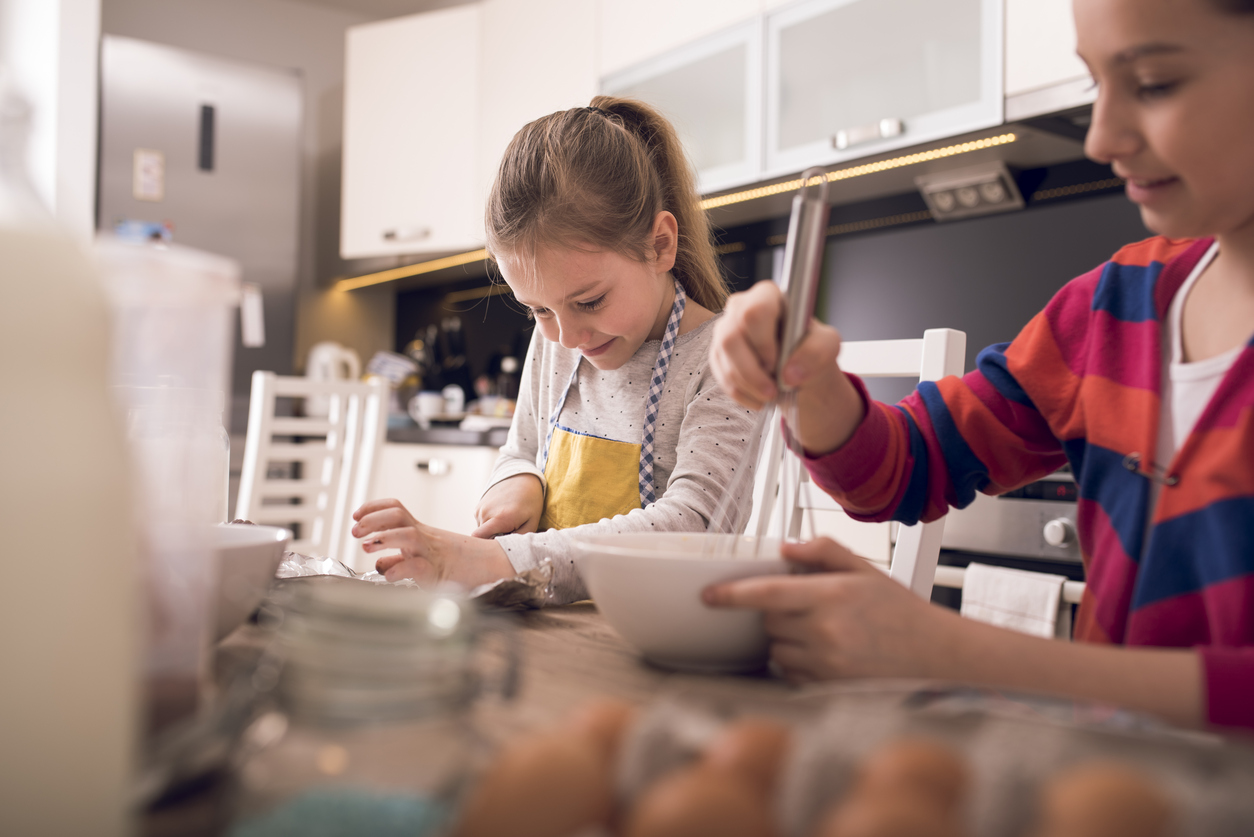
x=548 y=329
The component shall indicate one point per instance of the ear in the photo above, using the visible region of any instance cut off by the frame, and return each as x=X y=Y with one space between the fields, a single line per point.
x=665 y=241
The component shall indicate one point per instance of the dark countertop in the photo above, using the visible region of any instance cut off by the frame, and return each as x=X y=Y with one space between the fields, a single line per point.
x=449 y=435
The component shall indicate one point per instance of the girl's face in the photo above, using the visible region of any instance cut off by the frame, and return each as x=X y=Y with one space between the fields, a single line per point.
x=1175 y=109
x=600 y=302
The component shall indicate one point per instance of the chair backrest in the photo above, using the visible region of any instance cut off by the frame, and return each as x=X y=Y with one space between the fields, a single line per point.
x=309 y=473
x=940 y=352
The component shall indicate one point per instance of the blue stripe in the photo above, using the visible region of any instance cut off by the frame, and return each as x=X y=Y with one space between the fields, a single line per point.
x=1196 y=550
x=910 y=509
x=966 y=472
x=991 y=361
x=1127 y=291
x=1123 y=495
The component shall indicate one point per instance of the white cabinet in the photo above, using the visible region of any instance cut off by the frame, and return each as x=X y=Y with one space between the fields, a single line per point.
x=632 y=31
x=711 y=90
x=430 y=102
x=850 y=78
x=537 y=58
x=439 y=484
x=411 y=108
x=1043 y=72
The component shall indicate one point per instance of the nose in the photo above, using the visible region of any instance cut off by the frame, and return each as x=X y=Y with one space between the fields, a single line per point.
x=571 y=333
x=1113 y=134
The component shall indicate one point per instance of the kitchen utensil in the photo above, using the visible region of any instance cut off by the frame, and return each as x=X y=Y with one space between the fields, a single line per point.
x=649 y=588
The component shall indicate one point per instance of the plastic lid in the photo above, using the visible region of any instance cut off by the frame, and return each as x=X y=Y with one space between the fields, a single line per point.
x=143 y=274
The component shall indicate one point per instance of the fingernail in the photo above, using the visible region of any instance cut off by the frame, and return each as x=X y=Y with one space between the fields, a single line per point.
x=793 y=374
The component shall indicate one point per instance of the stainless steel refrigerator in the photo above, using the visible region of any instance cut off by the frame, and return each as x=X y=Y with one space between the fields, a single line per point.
x=207 y=151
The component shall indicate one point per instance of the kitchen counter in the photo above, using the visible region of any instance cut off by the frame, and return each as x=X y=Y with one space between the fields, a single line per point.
x=448 y=435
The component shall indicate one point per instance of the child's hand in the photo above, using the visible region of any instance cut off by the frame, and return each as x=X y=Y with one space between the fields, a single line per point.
x=511 y=506
x=427 y=554
x=849 y=620
x=744 y=353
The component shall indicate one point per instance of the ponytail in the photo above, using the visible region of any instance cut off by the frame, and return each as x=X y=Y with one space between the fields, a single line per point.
x=599 y=176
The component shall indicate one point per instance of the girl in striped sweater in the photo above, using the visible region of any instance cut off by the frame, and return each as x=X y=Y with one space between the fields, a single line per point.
x=1140 y=374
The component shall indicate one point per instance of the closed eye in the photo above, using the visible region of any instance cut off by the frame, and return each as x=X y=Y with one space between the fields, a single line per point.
x=592 y=305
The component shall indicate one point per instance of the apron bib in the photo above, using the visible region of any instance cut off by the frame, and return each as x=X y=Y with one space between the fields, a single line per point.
x=590 y=478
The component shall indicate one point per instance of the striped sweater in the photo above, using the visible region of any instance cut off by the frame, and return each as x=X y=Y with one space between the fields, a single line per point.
x=1081 y=384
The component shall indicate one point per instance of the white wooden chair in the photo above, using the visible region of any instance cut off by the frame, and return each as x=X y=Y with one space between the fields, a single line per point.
x=310 y=473
x=940 y=352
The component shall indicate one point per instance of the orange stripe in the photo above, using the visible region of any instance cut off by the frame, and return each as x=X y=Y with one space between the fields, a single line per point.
x=1215 y=466
x=1146 y=252
x=1009 y=460
x=1126 y=418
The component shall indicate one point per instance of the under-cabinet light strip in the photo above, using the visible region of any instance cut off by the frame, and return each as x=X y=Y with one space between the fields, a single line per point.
x=410 y=270
x=709 y=203
x=859 y=171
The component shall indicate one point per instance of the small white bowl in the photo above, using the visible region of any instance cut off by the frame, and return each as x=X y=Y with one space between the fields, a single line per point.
x=649 y=586
x=246 y=557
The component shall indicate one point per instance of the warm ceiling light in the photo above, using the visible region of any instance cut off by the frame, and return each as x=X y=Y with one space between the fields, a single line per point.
x=859 y=171
x=410 y=270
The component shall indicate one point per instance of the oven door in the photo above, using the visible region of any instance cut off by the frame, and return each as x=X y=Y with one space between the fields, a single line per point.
x=1035 y=521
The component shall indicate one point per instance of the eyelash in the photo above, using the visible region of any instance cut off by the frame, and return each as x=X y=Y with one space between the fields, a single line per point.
x=1155 y=91
x=533 y=313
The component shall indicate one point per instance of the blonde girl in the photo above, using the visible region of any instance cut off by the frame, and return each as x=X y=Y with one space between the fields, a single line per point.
x=595 y=225
x=1140 y=374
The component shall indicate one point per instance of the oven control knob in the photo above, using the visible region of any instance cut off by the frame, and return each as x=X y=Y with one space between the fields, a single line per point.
x=1060 y=532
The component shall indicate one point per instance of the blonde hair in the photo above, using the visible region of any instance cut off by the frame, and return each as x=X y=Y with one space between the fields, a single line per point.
x=598 y=176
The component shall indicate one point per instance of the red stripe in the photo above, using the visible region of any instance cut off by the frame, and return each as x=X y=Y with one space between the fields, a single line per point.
x=1110 y=573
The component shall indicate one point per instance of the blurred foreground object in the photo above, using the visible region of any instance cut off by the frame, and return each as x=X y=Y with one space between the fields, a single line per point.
x=67 y=708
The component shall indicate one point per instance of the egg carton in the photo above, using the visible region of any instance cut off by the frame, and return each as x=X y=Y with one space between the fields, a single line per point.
x=1012 y=745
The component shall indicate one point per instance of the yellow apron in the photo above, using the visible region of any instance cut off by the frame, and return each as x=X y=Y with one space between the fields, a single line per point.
x=589 y=478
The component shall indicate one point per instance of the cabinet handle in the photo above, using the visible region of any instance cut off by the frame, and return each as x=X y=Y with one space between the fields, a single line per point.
x=865 y=133
x=407 y=234
x=434 y=467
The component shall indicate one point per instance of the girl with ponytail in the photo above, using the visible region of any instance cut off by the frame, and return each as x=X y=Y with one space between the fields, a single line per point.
x=595 y=224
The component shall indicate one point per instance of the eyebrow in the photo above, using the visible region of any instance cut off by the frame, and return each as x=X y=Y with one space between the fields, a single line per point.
x=584 y=290
x=1144 y=50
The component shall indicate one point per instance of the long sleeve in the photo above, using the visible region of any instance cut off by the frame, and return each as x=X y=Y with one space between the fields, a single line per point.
x=520 y=453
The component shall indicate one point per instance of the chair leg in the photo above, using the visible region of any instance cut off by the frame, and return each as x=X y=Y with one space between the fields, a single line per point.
x=916 y=555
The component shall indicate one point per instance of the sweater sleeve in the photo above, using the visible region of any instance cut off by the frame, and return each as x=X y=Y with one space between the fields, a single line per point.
x=519 y=454
x=1228 y=676
x=985 y=431
x=711 y=448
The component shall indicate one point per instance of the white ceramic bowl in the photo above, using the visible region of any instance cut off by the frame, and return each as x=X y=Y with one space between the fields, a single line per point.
x=649 y=586
x=246 y=558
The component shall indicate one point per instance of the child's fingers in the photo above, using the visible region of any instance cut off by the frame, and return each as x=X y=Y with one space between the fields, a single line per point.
x=376 y=505
x=767 y=592
x=387 y=562
x=739 y=371
x=493 y=526
x=815 y=355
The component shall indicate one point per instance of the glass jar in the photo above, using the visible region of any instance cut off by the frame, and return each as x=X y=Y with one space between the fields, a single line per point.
x=372 y=731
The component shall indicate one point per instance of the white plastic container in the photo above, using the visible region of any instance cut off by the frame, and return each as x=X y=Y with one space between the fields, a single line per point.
x=172 y=310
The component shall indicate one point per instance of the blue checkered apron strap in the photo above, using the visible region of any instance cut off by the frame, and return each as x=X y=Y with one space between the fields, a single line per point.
x=557 y=413
x=654 y=398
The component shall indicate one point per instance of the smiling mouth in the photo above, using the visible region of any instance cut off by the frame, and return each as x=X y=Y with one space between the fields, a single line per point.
x=596 y=350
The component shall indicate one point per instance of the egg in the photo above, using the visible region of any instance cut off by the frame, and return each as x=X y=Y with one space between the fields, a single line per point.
x=753 y=747
x=1107 y=799
x=700 y=801
x=866 y=815
x=550 y=784
x=918 y=768
x=605 y=721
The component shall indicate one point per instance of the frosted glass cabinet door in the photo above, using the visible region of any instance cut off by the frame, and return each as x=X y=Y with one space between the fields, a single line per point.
x=851 y=78
x=711 y=90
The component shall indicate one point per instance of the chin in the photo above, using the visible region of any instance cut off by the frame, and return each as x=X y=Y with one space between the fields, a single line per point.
x=1173 y=227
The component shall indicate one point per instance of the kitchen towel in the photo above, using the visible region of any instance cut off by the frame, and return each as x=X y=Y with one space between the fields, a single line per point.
x=1016 y=599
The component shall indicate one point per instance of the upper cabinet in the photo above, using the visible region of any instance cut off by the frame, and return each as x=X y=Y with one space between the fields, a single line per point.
x=1043 y=72
x=430 y=103
x=711 y=90
x=411 y=110
x=848 y=78
x=632 y=31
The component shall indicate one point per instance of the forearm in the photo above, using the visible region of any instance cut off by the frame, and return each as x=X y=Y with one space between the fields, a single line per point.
x=1165 y=682
x=829 y=410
